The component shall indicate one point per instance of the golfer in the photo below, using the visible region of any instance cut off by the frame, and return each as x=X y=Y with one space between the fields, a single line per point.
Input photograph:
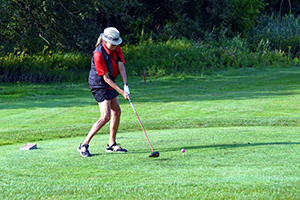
x=107 y=62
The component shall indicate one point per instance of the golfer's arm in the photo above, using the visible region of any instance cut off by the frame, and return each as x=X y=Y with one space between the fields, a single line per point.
x=122 y=71
x=111 y=83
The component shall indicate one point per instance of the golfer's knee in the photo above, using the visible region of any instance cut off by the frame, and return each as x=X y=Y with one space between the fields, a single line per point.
x=105 y=118
x=117 y=113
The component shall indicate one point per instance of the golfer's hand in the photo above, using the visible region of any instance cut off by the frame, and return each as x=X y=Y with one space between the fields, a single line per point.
x=125 y=95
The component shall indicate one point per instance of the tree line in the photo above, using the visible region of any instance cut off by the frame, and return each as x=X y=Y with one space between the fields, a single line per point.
x=36 y=26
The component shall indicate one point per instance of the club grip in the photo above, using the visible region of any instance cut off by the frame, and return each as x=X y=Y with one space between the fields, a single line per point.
x=126 y=89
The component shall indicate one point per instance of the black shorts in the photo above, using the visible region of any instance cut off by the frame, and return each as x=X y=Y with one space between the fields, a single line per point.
x=101 y=94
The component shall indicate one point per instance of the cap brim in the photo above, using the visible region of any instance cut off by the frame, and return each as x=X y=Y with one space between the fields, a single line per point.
x=113 y=42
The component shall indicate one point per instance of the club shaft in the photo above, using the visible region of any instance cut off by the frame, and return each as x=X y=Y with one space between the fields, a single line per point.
x=141 y=124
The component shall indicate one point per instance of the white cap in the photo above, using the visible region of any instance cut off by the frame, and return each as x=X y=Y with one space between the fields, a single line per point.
x=111 y=35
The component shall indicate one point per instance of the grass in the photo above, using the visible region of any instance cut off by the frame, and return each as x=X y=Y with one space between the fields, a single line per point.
x=240 y=129
x=218 y=164
x=246 y=97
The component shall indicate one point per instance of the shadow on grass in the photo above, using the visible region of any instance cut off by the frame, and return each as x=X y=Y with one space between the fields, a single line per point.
x=235 y=84
x=219 y=146
x=147 y=153
x=227 y=146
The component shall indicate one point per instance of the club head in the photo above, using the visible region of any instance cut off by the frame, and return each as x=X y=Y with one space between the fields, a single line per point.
x=154 y=154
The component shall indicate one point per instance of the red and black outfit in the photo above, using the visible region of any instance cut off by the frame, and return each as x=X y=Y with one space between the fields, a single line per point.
x=104 y=61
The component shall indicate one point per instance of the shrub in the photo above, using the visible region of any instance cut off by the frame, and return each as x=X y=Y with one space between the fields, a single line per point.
x=282 y=33
x=184 y=56
x=54 y=67
x=156 y=59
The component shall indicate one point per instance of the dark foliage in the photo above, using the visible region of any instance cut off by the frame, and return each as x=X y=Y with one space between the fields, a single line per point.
x=72 y=25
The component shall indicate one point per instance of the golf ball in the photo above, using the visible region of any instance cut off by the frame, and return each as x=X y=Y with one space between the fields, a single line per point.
x=182 y=150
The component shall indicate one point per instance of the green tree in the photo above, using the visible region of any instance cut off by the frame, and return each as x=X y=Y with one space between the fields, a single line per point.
x=32 y=25
x=29 y=25
x=234 y=15
x=244 y=14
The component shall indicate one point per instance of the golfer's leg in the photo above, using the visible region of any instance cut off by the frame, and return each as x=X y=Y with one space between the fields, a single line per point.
x=105 y=117
x=115 y=120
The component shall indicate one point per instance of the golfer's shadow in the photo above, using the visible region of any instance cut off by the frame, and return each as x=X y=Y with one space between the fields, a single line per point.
x=220 y=146
x=234 y=145
x=98 y=154
x=127 y=153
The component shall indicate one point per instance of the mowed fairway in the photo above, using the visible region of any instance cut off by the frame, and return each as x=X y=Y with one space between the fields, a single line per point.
x=240 y=130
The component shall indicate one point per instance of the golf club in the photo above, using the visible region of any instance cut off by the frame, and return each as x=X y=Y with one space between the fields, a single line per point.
x=154 y=153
